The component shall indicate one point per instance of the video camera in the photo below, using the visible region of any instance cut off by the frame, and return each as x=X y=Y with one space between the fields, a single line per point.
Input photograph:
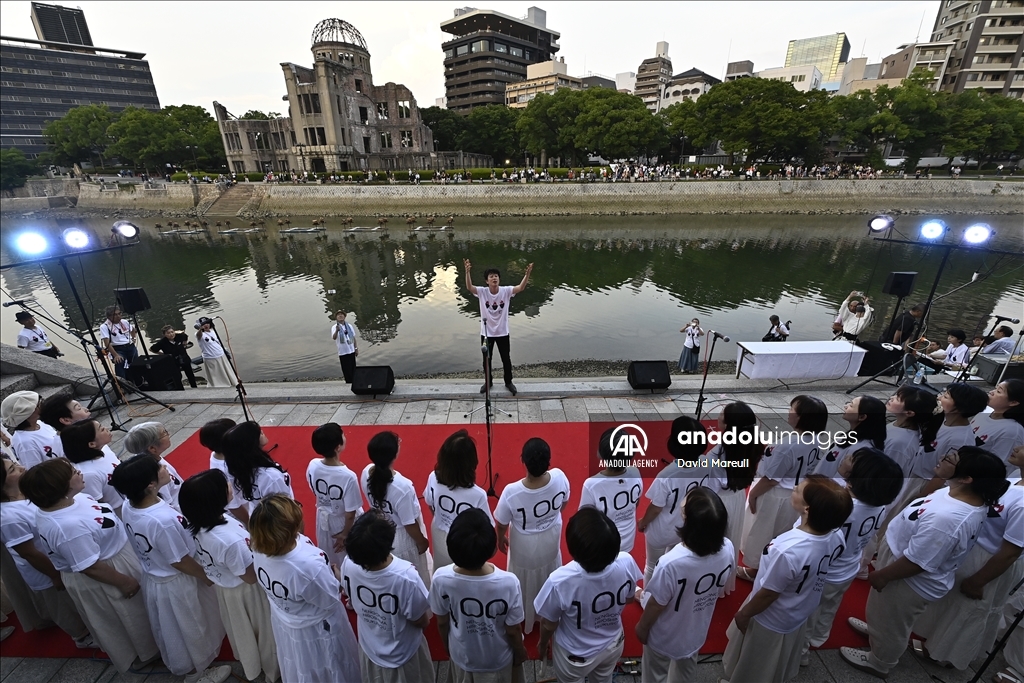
x=204 y=321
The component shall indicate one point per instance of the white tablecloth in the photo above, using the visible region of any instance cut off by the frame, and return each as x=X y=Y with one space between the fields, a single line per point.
x=794 y=360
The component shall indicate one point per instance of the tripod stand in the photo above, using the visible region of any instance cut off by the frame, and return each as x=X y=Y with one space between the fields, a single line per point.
x=487 y=407
x=239 y=387
x=704 y=380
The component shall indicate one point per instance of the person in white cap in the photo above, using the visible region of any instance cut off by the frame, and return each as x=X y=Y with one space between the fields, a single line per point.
x=31 y=440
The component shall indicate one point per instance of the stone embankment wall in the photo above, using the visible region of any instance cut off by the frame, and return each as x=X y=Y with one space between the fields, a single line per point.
x=160 y=197
x=39 y=195
x=685 y=197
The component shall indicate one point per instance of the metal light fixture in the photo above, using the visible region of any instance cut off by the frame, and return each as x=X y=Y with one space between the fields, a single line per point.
x=977 y=233
x=881 y=223
x=31 y=243
x=75 y=238
x=125 y=230
x=933 y=229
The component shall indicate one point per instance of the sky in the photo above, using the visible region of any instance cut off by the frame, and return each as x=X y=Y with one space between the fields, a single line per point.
x=231 y=52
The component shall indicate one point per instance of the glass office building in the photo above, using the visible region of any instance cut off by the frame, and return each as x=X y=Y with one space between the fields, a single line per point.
x=828 y=53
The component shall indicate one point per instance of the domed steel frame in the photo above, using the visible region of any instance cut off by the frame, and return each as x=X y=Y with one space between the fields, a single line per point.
x=338 y=31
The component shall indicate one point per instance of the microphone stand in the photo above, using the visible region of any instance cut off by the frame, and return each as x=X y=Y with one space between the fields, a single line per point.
x=239 y=388
x=1020 y=338
x=488 y=416
x=704 y=380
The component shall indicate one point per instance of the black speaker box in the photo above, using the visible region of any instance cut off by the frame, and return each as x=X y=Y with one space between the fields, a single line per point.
x=648 y=374
x=899 y=284
x=132 y=300
x=373 y=379
x=156 y=373
x=878 y=358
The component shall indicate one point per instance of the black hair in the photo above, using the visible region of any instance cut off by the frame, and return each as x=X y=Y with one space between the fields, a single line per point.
x=1006 y=330
x=870 y=432
x=696 y=447
x=244 y=456
x=922 y=403
x=969 y=401
x=1015 y=392
x=920 y=308
x=382 y=449
x=487 y=273
x=471 y=539
x=133 y=476
x=211 y=433
x=828 y=503
x=705 y=522
x=740 y=417
x=592 y=538
x=3 y=478
x=203 y=498
x=536 y=456
x=604 y=452
x=326 y=439
x=54 y=408
x=958 y=333
x=876 y=479
x=987 y=472
x=813 y=414
x=457 y=461
x=370 y=540
x=75 y=438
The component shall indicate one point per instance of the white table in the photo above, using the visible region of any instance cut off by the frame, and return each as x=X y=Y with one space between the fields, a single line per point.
x=794 y=360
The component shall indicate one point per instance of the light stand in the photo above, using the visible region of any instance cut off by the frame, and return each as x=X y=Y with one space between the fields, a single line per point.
x=239 y=388
x=704 y=380
x=1002 y=373
x=487 y=407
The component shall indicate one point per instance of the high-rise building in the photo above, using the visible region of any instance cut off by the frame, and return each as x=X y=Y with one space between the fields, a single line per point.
x=546 y=77
x=593 y=80
x=625 y=82
x=491 y=50
x=931 y=56
x=652 y=75
x=989 y=39
x=44 y=79
x=828 y=53
x=804 y=78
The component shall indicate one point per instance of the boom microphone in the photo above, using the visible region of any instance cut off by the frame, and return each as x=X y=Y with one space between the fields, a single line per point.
x=21 y=302
x=719 y=335
x=999 y=318
x=484 y=350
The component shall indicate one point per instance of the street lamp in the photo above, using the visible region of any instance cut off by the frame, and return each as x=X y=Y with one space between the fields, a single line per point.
x=195 y=164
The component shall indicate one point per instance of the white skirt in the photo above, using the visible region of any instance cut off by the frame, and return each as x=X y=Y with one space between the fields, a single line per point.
x=186 y=621
x=1001 y=588
x=532 y=558
x=120 y=625
x=325 y=531
x=324 y=652
x=219 y=372
x=735 y=502
x=405 y=548
x=245 y=613
x=775 y=515
x=61 y=608
x=20 y=595
x=419 y=669
x=439 y=546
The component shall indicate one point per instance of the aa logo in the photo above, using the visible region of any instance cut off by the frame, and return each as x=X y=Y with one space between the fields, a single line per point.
x=628 y=441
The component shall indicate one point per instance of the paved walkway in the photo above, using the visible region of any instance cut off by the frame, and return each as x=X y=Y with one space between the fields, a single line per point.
x=447 y=402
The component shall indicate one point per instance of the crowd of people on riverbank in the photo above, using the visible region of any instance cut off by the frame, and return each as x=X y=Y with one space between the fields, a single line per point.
x=921 y=497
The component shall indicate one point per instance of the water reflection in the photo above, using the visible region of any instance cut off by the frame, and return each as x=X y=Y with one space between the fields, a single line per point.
x=602 y=288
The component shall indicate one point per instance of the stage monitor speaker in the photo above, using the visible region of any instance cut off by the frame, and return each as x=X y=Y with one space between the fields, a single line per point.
x=899 y=284
x=156 y=373
x=373 y=379
x=132 y=300
x=878 y=357
x=648 y=374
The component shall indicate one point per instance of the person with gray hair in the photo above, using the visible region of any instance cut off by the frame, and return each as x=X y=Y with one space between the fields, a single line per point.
x=153 y=439
x=118 y=338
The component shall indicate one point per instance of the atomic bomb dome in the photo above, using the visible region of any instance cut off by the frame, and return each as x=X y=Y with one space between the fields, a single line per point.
x=338 y=31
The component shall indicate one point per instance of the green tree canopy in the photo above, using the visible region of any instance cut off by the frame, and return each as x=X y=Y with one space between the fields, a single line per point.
x=257 y=115
x=446 y=125
x=492 y=130
x=982 y=126
x=14 y=168
x=615 y=125
x=80 y=135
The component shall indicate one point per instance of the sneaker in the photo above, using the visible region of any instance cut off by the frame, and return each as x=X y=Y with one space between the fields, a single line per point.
x=863 y=574
x=215 y=674
x=805 y=659
x=483 y=388
x=86 y=642
x=858 y=659
x=511 y=388
x=5 y=632
x=858 y=625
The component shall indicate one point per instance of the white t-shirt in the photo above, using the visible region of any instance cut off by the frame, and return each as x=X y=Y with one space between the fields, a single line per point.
x=81 y=534
x=957 y=354
x=119 y=334
x=588 y=607
x=33 y=447
x=386 y=602
x=901 y=445
x=224 y=552
x=446 y=503
x=795 y=567
x=828 y=464
x=18 y=525
x=1004 y=520
x=616 y=496
x=494 y=311
x=668 y=491
x=692 y=340
x=300 y=585
x=209 y=345
x=788 y=463
x=947 y=439
x=34 y=339
x=533 y=510
x=336 y=490
x=688 y=586
x=998 y=437
x=346 y=340
x=219 y=464
x=935 y=533
x=400 y=504
x=159 y=537
x=859 y=528
x=266 y=482
x=479 y=608
x=97 y=474
x=169 y=491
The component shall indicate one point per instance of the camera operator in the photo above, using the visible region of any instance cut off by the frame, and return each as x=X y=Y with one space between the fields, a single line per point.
x=119 y=340
x=854 y=316
x=175 y=343
x=33 y=337
x=218 y=369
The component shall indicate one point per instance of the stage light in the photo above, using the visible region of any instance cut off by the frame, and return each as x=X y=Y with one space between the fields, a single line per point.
x=75 y=238
x=977 y=233
x=30 y=243
x=881 y=223
x=933 y=230
x=125 y=229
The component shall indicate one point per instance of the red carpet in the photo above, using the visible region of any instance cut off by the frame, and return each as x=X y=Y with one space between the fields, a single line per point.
x=571 y=452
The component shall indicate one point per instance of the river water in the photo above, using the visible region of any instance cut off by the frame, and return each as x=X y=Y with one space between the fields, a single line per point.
x=603 y=288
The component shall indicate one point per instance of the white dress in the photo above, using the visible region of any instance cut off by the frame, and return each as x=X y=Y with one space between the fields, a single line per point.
x=402 y=507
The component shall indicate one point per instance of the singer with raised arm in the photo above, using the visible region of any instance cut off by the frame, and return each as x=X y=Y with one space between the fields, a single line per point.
x=494 y=306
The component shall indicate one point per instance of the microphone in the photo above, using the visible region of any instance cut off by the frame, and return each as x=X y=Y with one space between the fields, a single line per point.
x=21 y=302
x=719 y=335
x=483 y=348
x=999 y=318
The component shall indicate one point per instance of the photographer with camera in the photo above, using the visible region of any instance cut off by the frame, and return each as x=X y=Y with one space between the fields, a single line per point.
x=174 y=343
x=854 y=316
x=219 y=372
x=118 y=338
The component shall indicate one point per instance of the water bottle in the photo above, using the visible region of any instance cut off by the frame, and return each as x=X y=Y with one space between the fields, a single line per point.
x=919 y=376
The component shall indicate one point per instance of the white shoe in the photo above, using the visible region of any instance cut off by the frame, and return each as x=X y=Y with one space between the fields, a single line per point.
x=5 y=632
x=858 y=625
x=858 y=659
x=805 y=657
x=215 y=674
x=86 y=642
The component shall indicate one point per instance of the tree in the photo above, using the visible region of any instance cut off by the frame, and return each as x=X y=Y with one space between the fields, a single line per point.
x=915 y=104
x=193 y=126
x=140 y=137
x=257 y=115
x=615 y=125
x=492 y=130
x=865 y=125
x=679 y=126
x=982 y=126
x=445 y=124
x=80 y=135
x=547 y=126
x=14 y=168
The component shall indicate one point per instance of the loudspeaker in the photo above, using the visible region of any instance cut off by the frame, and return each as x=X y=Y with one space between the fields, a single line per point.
x=899 y=284
x=648 y=374
x=878 y=358
x=132 y=300
x=156 y=373
x=373 y=379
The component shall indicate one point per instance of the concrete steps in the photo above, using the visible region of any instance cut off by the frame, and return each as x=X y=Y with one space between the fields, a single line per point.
x=231 y=200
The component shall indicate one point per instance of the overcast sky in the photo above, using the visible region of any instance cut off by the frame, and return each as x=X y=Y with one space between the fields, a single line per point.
x=231 y=51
